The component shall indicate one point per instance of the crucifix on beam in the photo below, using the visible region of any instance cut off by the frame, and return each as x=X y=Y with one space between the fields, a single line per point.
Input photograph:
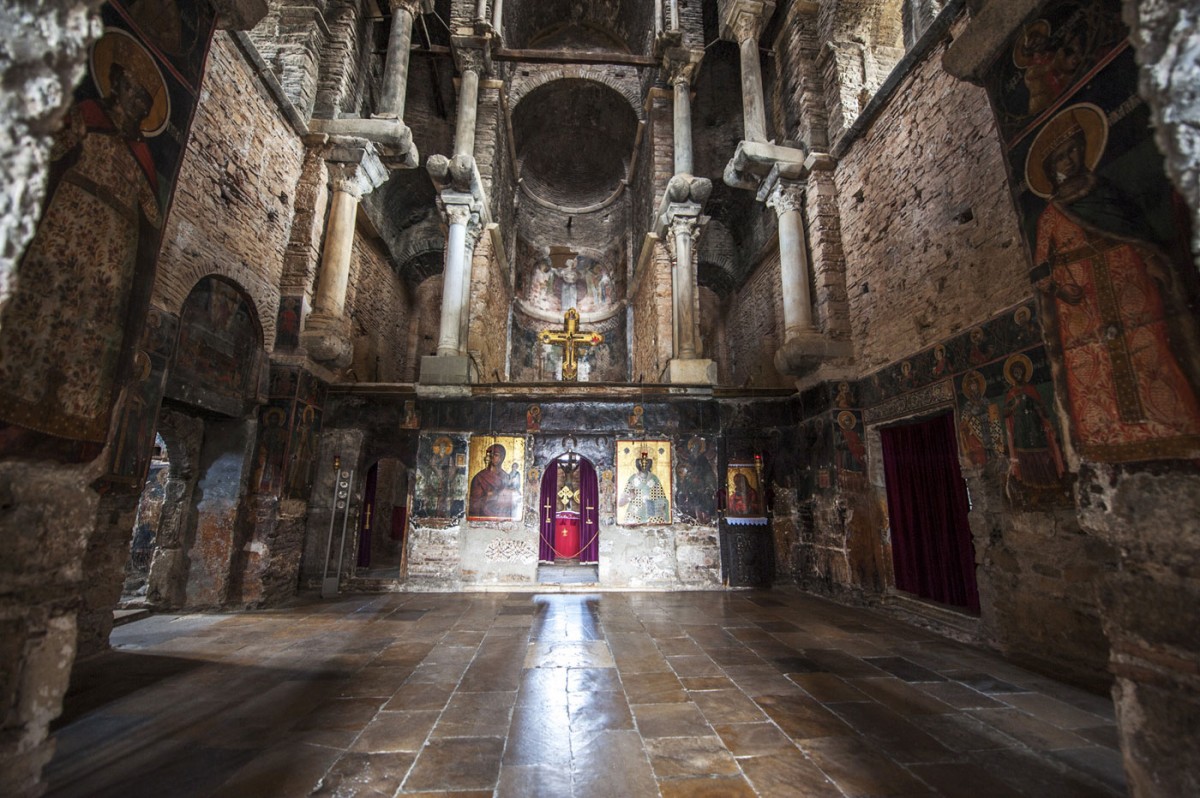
x=569 y=338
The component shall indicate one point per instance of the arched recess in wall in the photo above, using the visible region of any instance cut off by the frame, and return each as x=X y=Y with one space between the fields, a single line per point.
x=623 y=26
x=219 y=356
x=574 y=140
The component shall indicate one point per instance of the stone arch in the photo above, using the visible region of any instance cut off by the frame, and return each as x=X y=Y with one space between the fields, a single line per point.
x=171 y=291
x=626 y=87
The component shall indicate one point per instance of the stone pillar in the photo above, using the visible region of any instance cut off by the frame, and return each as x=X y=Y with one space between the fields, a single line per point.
x=455 y=283
x=683 y=123
x=787 y=199
x=395 y=76
x=354 y=170
x=330 y=295
x=474 y=229
x=742 y=21
x=468 y=101
x=497 y=16
x=684 y=226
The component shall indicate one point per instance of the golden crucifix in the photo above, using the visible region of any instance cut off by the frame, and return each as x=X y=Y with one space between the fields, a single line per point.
x=569 y=338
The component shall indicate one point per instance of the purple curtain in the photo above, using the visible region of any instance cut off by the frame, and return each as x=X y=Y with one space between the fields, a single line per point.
x=932 y=550
x=589 y=506
x=546 y=517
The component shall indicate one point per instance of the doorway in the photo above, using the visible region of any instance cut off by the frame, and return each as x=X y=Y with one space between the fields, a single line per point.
x=146 y=528
x=382 y=521
x=569 y=521
x=932 y=551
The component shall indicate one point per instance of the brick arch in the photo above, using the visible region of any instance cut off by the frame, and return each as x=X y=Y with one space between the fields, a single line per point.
x=629 y=87
x=171 y=292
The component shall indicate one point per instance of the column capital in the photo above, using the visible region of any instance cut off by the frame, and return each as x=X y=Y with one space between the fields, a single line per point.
x=680 y=64
x=786 y=196
x=460 y=213
x=744 y=19
x=471 y=54
x=414 y=7
x=355 y=167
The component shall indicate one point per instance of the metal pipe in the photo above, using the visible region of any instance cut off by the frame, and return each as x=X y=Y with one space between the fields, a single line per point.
x=345 y=520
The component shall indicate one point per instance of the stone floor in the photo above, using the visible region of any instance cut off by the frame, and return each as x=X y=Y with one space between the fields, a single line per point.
x=617 y=694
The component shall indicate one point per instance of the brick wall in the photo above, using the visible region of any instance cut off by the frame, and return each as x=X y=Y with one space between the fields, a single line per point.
x=378 y=303
x=917 y=269
x=754 y=321
x=650 y=302
x=232 y=212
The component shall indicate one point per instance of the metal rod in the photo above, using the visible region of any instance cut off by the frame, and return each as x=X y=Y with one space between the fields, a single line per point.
x=337 y=475
x=345 y=520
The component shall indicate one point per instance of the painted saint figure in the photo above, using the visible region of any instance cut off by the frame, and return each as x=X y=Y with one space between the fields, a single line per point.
x=643 y=496
x=1034 y=457
x=1110 y=287
x=494 y=492
x=58 y=366
x=743 y=498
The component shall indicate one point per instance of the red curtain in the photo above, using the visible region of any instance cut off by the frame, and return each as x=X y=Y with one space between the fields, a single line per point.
x=927 y=503
x=589 y=518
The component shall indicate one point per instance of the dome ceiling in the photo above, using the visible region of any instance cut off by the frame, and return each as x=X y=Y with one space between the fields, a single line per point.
x=574 y=139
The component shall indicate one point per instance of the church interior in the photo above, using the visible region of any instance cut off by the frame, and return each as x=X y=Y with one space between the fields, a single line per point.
x=623 y=397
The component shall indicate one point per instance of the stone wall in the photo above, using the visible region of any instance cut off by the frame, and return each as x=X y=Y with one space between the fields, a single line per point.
x=378 y=302
x=233 y=208
x=650 y=304
x=754 y=320
x=931 y=240
x=491 y=299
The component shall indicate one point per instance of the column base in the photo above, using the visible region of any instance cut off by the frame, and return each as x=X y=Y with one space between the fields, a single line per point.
x=693 y=371
x=326 y=339
x=447 y=370
x=808 y=351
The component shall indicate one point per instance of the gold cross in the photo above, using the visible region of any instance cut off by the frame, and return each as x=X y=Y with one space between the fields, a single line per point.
x=548 y=506
x=567 y=497
x=569 y=338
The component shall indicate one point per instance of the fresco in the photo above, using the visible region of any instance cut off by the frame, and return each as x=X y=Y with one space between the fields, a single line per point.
x=132 y=437
x=696 y=480
x=495 y=465
x=220 y=345
x=561 y=277
x=644 y=482
x=533 y=361
x=441 y=484
x=67 y=346
x=1108 y=238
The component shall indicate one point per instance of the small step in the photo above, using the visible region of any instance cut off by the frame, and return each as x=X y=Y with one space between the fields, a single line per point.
x=122 y=617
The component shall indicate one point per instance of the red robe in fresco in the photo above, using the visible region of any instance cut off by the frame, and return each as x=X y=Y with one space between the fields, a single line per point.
x=1128 y=396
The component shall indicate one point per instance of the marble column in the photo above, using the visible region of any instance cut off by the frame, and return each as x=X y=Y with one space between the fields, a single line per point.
x=683 y=122
x=786 y=200
x=456 y=280
x=684 y=226
x=355 y=171
x=468 y=102
x=497 y=16
x=395 y=75
x=474 y=229
x=754 y=112
x=329 y=298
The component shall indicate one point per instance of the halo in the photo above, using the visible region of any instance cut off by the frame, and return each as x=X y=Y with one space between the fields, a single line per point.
x=846 y=420
x=1022 y=315
x=117 y=46
x=1018 y=54
x=974 y=378
x=1087 y=118
x=1024 y=361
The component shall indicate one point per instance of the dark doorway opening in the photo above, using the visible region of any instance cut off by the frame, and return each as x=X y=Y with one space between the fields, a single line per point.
x=932 y=551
